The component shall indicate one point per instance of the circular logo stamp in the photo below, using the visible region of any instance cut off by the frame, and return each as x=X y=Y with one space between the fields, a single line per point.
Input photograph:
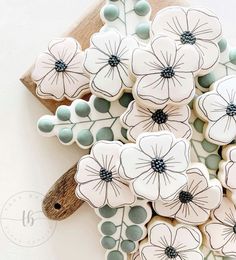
x=23 y=221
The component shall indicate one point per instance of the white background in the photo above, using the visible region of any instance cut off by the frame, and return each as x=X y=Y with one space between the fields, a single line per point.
x=28 y=161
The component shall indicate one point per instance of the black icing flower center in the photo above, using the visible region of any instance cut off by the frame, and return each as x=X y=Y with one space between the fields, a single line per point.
x=158 y=165
x=114 y=61
x=234 y=228
x=231 y=110
x=159 y=117
x=185 y=197
x=188 y=38
x=171 y=252
x=168 y=72
x=60 y=66
x=105 y=175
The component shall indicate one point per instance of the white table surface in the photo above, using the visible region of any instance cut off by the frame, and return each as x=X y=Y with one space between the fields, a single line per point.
x=29 y=162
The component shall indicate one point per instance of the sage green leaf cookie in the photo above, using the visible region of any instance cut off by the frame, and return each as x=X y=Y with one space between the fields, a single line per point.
x=86 y=122
x=129 y=17
x=123 y=228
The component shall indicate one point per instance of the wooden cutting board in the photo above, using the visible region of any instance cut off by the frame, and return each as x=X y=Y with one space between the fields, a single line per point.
x=60 y=201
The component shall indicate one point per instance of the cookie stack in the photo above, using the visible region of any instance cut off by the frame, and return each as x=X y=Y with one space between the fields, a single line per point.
x=160 y=125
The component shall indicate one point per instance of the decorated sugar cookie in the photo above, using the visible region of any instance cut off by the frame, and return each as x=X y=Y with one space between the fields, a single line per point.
x=165 y=73
x=201 y=149
x=221 y=230
x=98 y=181
x=129 y=17
x=225 y=67
x=122 y=228
x=135 y=256
x=156 y=165
x=218 y=109
x=59 y=72
x=227 y=171
x=86 y=122
x=199 y=28
x=138 y=119
x=193 y=203
x=107 y=60
x=169 y=241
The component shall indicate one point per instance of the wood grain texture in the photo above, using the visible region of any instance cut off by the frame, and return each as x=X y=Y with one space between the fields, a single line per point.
x=60 y=201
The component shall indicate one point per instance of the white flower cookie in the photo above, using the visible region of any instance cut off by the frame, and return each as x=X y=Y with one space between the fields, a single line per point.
x=227 y=171
x=98 y=181
x=193 y=203
x=59 y=72
x=168 y=241
x=122 y=228
x=138 y=119
x=221 y=230
x=129 y=17
x=199 y=28
x=218 y=109
x=165 y=73
x=107 y=60
x=156 y=165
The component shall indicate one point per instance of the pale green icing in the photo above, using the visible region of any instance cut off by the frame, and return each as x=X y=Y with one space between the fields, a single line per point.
x=209 y=147
x=134 y=233
x=111 y=12
x=124 y=132
x=126 y=99
x=102 y=105
x=45 y=125
x=142 y=8
x=82 y=108
x=63 y=113
x=85 y=137
x=137 y=214
x=65 y=135
x=108 y=242
x=143 y=31
x=107 y=212
x=198 y=125
x=232 y=56
x=115 y=255
x=108 y=228
x=222 y=45
x=207 y=80
x=212 y=161
x=105 y=133
x=127 y=246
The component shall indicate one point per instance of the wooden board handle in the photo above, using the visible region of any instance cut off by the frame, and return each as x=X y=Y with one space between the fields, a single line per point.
x=60 y=201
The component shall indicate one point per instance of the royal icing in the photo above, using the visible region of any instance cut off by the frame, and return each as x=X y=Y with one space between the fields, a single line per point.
x=129 y=17
x=98 y=181
x=86 y=122
x=122 y=228
x=227 y=171
x=138 y=119
x=59 y=72
x=107 y=61
x=155 y=166
x=221 y=230
x=193 y=204
x=218 y=109
x=169 y=241
x=165 y=73
x=198 y=28
x=201 y=149
x=225 y=67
